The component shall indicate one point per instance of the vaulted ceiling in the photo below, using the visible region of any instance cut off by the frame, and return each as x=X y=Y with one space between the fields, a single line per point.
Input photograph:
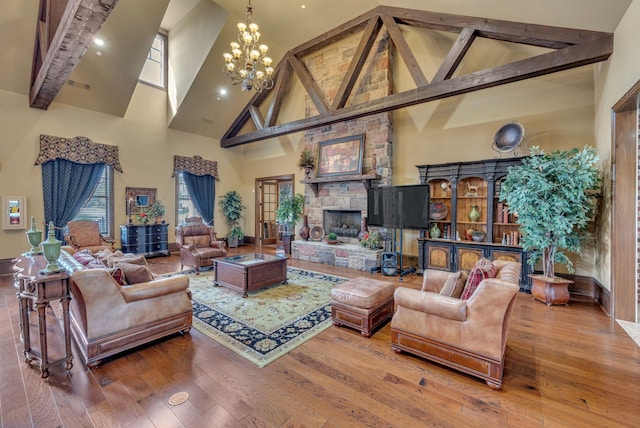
x=200 y=30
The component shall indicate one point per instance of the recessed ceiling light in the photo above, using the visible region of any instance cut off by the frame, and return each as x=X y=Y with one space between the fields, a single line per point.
x=222 y=91
x=303 y=6
x=98 y=53
x=98 y=41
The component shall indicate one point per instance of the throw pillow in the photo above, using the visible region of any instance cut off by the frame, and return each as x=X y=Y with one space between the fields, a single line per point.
x=136 y=260
x=134 y=274
x=83 y=258
x=96 y=264
x=103 y=254
x=450 y=284
x=481 y=270
x=118 y=275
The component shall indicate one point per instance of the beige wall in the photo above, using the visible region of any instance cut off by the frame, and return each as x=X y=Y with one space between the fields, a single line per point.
x=612 y=80
x=146 y=153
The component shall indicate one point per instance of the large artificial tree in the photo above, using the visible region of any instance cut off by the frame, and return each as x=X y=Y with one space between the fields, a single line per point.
x=552 y=196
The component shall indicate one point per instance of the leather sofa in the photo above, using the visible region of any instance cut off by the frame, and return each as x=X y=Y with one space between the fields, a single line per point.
x=107 y=318
x=467 y=335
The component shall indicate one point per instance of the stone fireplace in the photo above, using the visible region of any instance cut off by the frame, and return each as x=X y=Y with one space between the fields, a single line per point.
x=338 y=204
x=344 y=223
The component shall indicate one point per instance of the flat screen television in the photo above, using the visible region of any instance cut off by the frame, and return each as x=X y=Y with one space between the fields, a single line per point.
x=401 y=207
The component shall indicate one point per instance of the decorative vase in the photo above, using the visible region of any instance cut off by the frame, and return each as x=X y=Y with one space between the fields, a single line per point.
x=474 y=214
x=35 y=238
x=51 y=251
x=552 y=291
x=307 y=171
x=305 y=229
x=434 y=232
x=363 y=228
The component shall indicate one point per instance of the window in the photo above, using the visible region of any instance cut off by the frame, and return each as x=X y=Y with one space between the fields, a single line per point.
x=100 y=206
x=154 y=72
x=184 y=204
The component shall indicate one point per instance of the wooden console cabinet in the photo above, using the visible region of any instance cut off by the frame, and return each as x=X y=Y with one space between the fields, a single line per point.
x=470 y=192
x=149 y=240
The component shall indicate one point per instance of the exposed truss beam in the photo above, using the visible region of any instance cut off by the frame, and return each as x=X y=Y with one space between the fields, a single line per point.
x=65 y=30
x=572 y=48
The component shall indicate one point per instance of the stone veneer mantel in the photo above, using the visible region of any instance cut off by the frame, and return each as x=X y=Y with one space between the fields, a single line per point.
x=364 y=178
x=352 y=256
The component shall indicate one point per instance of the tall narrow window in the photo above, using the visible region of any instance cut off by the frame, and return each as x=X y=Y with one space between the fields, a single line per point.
x=100 y=206
x=154 y=72
x=184 y=205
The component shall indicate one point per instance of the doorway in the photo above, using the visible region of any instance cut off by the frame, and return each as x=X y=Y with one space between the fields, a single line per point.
x=625 y=212
x=267 y=190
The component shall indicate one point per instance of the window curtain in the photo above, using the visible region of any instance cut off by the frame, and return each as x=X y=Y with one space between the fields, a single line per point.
x=66 y=187
x=71 y=170
x=200 y=176
x=202 y=190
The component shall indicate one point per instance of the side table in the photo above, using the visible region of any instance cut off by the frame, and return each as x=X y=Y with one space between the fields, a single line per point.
x=36 y=289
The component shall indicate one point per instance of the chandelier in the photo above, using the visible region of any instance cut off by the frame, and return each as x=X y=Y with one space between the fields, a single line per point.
x=247 y=55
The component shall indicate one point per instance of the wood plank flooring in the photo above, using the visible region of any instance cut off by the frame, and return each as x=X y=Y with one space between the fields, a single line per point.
x=565 y=367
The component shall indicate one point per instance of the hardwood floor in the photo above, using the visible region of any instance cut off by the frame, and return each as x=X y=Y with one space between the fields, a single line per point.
x=565 y=366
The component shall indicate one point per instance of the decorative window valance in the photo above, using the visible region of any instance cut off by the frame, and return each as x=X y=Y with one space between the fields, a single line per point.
x=78 y=149
x=195 y=165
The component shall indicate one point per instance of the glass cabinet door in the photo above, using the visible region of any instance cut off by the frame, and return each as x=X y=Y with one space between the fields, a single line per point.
x=505 y=226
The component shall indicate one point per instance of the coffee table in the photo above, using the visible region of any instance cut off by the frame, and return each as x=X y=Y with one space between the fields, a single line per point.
x=249 y=272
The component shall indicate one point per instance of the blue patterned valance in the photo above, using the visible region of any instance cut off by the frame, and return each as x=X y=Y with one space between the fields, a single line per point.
x=195 y=165
x=78 y=149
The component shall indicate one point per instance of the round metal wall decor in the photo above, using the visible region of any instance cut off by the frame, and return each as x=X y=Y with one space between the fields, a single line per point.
x=508 y=137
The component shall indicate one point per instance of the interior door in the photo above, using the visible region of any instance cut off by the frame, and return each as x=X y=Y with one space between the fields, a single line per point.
x=267 y=190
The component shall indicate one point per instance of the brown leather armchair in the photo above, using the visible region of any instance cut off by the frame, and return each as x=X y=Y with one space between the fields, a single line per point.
x=85 y=234
x=198 y=245
x=467 y=335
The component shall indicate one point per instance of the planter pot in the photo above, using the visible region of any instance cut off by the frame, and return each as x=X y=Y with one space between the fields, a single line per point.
x=233 y=242
x=552 y=291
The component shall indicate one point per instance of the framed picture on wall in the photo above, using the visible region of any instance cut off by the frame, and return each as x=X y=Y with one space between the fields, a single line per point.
x=342 y=156
x=14 y=212
x=139 y=198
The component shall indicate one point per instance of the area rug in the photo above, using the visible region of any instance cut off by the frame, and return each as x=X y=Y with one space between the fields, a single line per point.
x=270 y=322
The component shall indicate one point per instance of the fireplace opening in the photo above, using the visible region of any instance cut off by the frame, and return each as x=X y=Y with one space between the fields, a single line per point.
x=344 y=223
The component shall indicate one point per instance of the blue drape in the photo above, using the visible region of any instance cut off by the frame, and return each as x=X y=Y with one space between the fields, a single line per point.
x=66 y=187
x=202 y=190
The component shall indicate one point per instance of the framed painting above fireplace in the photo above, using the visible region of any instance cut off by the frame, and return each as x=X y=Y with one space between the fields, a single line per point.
x=341 y=156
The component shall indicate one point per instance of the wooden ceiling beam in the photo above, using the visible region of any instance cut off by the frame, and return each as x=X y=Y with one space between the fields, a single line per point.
x=358 y=60
x=564 y=59
x=55 y=58
x=404 y=50
x=456 y=53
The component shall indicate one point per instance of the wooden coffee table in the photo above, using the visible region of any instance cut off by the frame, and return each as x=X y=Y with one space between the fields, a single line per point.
x=249 y=272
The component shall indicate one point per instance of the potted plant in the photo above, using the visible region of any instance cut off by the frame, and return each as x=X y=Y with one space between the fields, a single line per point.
x=552 y=195
x=289 y=211
x=157 y=210
x=231 y=206
x=307 y=161
x=332 y=238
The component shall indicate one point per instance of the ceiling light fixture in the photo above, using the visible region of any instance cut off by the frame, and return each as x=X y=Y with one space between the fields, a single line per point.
x=247 y=55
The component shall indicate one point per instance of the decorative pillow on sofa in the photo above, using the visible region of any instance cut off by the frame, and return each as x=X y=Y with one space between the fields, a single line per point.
x=455 y=284
x=127 y=258
x=103 y=254
x=481 y=270
x=84 y=258
x=118 y=275
x=134 y=274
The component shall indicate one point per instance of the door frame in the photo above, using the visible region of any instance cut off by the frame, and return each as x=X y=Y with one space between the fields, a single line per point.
x=624 y=206
x=258 y=205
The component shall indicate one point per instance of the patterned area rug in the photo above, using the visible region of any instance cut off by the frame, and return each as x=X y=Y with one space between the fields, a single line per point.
x=270 y=322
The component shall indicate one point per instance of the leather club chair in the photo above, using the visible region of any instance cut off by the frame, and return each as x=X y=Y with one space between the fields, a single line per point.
x=198 y=245
x=85 y=234
x=467 y=335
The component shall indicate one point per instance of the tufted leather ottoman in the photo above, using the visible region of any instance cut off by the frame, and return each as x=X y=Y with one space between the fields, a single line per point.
x=362 y=303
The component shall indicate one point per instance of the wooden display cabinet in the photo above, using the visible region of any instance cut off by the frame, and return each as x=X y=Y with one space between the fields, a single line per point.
x=471 y=193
